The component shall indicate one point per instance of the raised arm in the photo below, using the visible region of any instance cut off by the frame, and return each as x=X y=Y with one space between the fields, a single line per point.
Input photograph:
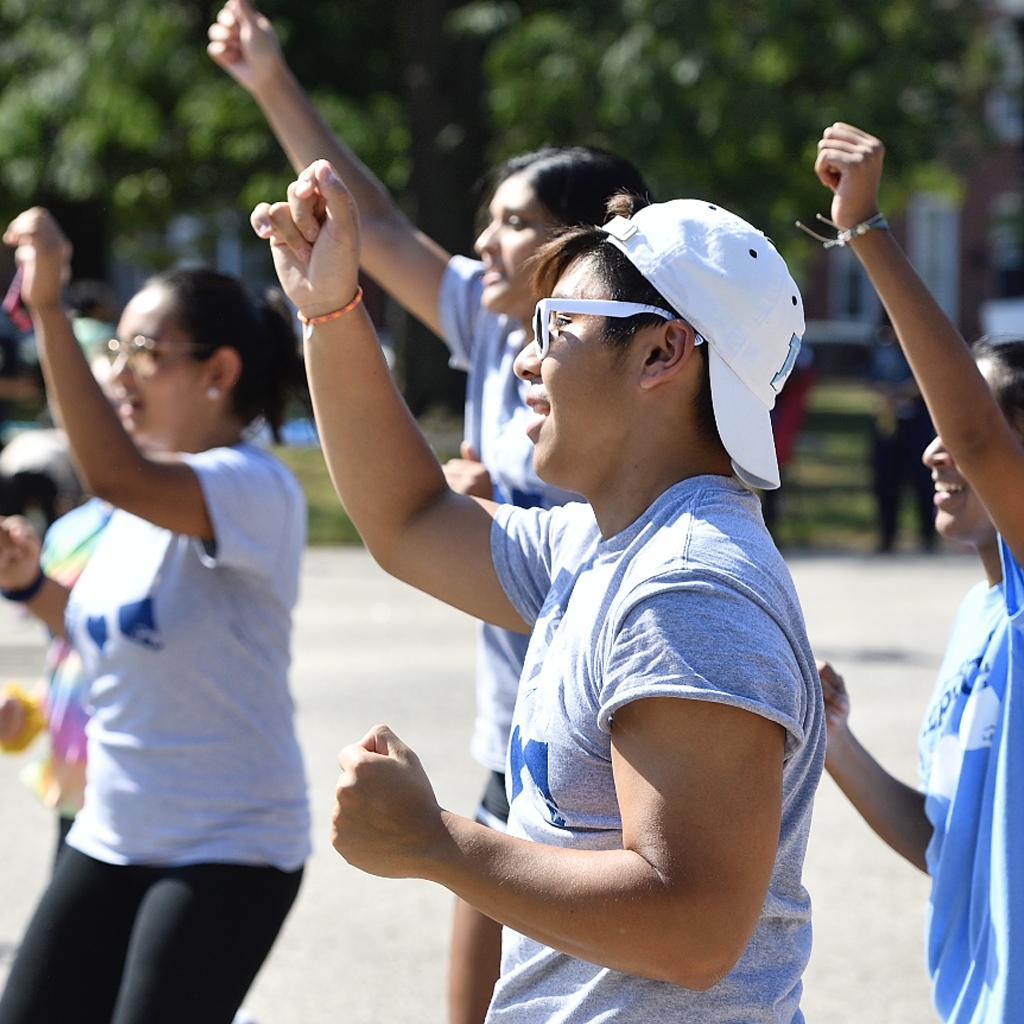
x=894 y=810
x=403 y=260
x=166 y=493
x=963 y=409
x=699 y=785
x=411 y=521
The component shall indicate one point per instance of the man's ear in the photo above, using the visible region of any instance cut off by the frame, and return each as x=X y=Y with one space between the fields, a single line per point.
x=668 y=353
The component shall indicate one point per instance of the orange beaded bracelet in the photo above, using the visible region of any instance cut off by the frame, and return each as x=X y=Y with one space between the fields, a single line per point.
x=310 y=321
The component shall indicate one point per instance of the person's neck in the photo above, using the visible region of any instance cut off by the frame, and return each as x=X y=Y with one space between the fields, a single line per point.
x=620 y=503
x=223 y=435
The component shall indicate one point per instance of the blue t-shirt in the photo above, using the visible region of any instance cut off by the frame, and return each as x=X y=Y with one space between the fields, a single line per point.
x=971 y=739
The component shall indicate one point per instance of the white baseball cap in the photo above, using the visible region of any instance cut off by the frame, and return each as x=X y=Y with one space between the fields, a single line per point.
x=727 y=280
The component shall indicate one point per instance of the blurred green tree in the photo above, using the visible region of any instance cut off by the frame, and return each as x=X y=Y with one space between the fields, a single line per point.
x=115 y=102
x=726 y=99
x=112 y=115
x=111 y=112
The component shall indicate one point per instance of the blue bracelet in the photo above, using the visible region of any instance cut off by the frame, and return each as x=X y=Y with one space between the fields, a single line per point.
x=26 y=593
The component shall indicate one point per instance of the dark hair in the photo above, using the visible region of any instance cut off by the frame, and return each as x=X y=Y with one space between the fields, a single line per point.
x=215 y=310
x=613 y=270
x=573 y=183
x=1007 y=358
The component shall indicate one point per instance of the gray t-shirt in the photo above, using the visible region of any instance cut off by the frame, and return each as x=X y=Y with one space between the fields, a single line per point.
x=692 y=600
x=192 y=754
x=485 y=345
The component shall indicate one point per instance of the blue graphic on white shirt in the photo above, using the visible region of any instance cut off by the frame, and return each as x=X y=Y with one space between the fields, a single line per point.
x=137 y=623
x=96 y=626
x=533 y=756
x=529 y=499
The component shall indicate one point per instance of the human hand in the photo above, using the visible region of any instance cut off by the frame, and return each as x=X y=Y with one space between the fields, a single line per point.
x=837 y=700
x=468 y=475
x=12 y=718
x=386 y=818
x=314 y=238
x=19 y=553
x=243 y=43
x=850 y=164
x=44 y=253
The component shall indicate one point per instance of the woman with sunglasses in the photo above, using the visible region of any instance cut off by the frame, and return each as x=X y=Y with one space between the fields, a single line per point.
x=188 y=851
x=481 y=308
x=669 y=731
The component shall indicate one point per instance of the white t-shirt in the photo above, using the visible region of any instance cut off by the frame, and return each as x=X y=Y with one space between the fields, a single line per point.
x=485 y=345
x=693 y=601
x=192 y=754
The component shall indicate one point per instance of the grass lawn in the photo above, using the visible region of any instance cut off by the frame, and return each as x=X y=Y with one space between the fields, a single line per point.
x=328 y=523
x=825 y=499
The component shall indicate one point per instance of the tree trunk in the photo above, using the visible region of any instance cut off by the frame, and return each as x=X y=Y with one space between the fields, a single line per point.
x=443 y=91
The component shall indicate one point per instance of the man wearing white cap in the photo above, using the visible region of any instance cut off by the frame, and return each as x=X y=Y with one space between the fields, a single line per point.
x=669 y=731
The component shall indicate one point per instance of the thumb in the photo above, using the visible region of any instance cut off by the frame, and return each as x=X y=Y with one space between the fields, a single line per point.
x=244 y=11
x=253 y=19
x=340 y=204
x=381 y=740
x=468 y=452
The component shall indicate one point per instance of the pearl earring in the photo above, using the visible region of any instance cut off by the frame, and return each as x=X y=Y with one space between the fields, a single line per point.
x=213 y=394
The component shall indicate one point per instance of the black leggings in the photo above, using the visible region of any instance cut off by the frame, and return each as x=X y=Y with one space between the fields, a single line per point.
x=113 y=944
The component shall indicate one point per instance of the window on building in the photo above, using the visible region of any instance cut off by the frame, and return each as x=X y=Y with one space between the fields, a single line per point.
x=933 y=245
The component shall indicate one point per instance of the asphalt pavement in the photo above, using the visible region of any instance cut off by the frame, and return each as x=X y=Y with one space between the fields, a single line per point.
x=358 y=949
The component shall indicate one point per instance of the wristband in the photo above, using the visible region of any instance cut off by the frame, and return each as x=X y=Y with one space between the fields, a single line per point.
x=26 y=593
x=311 y=321
x=844 y=235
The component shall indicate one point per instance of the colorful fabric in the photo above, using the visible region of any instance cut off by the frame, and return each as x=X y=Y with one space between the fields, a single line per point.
x=59 y=778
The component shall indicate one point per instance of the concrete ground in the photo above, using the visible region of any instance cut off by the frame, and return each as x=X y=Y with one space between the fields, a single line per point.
x=358 y=949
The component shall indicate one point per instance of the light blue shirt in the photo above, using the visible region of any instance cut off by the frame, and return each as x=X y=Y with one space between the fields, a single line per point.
x=970 y=743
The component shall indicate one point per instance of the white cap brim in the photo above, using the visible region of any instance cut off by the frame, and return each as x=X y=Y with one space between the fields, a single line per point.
x=744 y=425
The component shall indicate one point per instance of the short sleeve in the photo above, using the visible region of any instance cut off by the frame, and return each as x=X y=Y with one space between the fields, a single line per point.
x=531 y=547
x=458 y=308
x=1013 y=587
x=702 y=640
x=257 y=509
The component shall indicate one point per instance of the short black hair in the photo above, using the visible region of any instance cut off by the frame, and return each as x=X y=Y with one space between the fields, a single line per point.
x=1006 y=354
